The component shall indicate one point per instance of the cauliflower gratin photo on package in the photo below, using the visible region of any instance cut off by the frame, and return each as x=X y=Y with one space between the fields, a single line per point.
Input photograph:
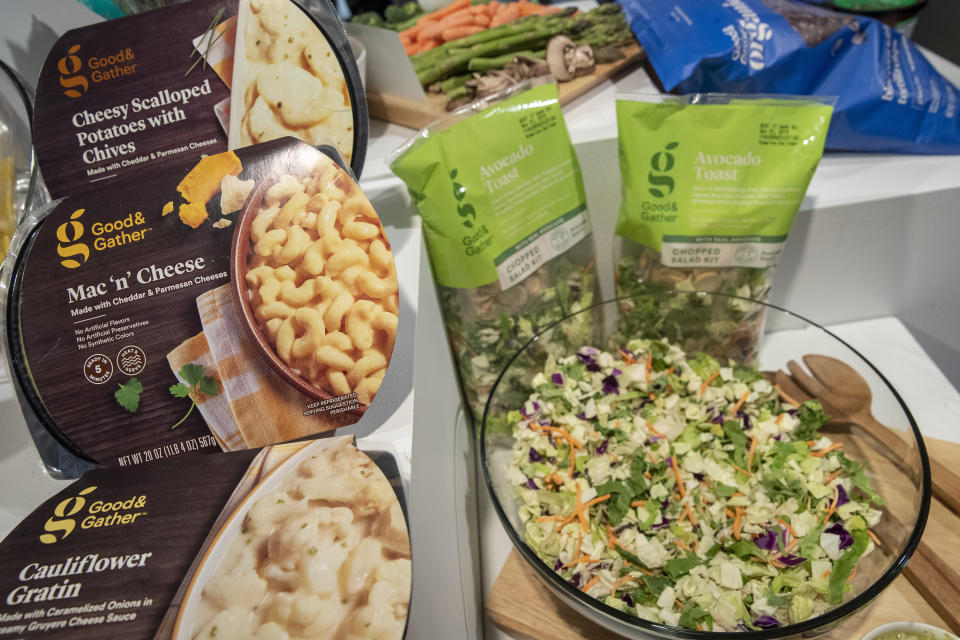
x=298 y=541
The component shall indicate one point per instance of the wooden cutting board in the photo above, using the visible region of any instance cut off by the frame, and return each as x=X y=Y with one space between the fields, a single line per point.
x=523 y=607
x=419 y=114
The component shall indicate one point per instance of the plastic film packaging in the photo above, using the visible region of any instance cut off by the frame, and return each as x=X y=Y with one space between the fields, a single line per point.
x=505 y=220
x=711 y=185
x=890 y=98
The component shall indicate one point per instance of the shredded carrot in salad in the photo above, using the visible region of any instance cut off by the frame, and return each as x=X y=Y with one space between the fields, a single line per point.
x=658 y=460
x=706 y=383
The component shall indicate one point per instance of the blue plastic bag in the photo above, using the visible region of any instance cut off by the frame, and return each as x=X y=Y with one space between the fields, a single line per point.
x=889 y=96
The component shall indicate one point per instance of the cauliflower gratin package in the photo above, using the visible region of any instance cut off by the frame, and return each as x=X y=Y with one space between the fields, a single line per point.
x=248 y=299
x=506 y=227
x=163 y=88
x=291 y=542
x=711 y=184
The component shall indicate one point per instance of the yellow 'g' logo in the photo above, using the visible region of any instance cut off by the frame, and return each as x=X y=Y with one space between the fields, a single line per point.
x=69 y=66
x=61 y=521
x=74 y=253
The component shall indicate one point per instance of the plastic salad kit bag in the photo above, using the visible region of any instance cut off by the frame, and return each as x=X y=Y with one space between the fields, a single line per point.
x=890 y=98
x=504 y=215
x=711 y=185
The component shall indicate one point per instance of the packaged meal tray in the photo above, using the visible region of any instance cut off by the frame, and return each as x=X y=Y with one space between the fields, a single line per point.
x=162 y=88
x=711 y=185
x=889 y=97
x=505 y=220
x=243 y=300
x=293 y=542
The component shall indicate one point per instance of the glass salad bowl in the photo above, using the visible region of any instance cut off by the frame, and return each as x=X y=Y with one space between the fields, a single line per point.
x=651 y=518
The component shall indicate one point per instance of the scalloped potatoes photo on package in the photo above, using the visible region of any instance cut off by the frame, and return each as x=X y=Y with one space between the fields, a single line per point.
x=287 y=80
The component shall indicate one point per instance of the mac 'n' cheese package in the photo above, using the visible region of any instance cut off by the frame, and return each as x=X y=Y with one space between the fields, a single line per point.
x=297 y=541
x=163 y=88
x=711 y=184
x=247 y=299
x=506 y=225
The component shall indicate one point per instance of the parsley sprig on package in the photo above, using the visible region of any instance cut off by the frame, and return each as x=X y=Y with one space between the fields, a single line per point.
x=506 y=227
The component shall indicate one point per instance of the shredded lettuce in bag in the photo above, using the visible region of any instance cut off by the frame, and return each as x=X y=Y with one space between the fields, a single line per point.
x=687 y=491
x=711 y=185
x=507 y=230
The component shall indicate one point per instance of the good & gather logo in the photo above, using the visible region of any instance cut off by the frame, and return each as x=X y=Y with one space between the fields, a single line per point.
x=661 y=163
x=69 y=67
x=62 y=520
x=74 y=253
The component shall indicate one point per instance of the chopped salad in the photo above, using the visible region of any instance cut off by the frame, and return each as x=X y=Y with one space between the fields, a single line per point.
x=687 y=492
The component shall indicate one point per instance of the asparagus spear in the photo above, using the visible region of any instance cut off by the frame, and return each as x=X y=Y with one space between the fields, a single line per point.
x=428 y=58
x=499 y=62
x=458 y=63
x=454 y=81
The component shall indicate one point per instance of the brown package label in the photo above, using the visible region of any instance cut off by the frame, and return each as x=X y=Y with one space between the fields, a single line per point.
x=153 y=90
x=303 y=540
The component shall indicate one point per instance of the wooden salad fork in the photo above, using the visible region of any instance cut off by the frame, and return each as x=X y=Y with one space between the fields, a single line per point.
x=846 y=397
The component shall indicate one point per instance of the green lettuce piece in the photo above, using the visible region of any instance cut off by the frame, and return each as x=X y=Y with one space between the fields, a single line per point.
x=679 y=567
x=812 y=417
x=843 y=567
x=704 y=365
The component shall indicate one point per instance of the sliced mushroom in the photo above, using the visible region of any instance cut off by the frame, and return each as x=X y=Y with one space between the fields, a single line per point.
x=567 y=61
x=581 y=60
x=556 y=57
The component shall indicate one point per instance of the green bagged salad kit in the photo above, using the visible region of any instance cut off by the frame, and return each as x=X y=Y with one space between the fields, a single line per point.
x=711 y=185
x=506 y=225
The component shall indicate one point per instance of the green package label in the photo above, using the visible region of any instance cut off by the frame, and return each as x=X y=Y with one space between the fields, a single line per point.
x=500 y=193
x=716 y=185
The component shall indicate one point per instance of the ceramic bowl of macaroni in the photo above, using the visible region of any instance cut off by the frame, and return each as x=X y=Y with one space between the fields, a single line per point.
x=318 y=549
x=314 y=277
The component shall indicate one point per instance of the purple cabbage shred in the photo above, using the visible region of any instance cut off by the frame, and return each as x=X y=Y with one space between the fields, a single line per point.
x=766 y=622
x=557 y=378
x=766 y=540
x=602 y=449
x=791 y=560
x=747 y=423
x=842 y=497
x=610 y=385
x=575 y=580
x=717 y=419
x=535 y=455
x=531 y=483
x=627 y=599
x=557 y=565
x=846 y=539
